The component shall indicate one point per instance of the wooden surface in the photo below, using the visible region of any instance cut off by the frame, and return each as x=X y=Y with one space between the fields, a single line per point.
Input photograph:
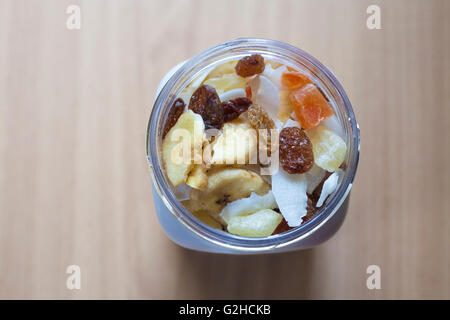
x=74 y=183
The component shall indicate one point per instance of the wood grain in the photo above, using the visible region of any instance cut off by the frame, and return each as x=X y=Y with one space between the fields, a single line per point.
x=74 y=183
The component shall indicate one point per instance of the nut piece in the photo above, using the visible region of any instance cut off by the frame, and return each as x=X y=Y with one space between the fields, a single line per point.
x=206 y=102
x=296 y=151
x=250 y=65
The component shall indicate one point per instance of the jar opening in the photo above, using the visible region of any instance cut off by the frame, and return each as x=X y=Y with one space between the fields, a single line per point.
x=234 y=50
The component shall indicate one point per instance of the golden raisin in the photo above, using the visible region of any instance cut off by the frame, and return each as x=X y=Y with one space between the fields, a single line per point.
x=174 y=113
x=260 y=120
x=296 y=153
x=250 y=65
x=206 y=102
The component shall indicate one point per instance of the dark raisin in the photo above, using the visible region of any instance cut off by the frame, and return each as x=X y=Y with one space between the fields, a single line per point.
x=206 y=102
x=233 y=108
x=250 y=65
x=174 y=113
x=229 y=112
x=296 y=153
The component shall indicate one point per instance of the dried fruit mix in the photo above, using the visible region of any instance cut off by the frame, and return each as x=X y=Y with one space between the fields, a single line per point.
x=237 y=97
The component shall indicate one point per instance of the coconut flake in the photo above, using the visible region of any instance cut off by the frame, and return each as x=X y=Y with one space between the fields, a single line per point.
x=333 y=124
x=265 y=94
x=290 y=193
x=328 y=187
x=232 y=94
x=278 y=124
x=274 y=75
x=314 y=177
x=248 y=205
x=291 y=123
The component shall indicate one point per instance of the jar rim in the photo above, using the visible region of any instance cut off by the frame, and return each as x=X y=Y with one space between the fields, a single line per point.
x=219 y=237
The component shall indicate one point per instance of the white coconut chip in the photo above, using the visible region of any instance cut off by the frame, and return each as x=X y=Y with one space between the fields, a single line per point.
x=232 y=94
x=265 y=94
x=274 y=75
x=278 y=124
x=248 y=205
x=290 y=193
x=314 y=177
x=328 y=187
x=291 y=123
x=333 y=124
x=182 y=192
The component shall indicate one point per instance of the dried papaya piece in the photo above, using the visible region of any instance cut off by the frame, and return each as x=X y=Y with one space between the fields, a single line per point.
x=310 y=106
x=294 y=79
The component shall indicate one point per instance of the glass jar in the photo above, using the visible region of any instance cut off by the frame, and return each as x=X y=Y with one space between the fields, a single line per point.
x=182 y=227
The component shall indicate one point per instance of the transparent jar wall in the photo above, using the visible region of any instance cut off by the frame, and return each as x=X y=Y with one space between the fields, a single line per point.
x=295 y=238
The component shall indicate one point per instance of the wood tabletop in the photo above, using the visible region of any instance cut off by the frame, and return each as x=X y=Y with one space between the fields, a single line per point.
x=74 y=182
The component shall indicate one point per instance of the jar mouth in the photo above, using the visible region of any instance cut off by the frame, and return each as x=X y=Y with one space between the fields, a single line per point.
x=234 y=50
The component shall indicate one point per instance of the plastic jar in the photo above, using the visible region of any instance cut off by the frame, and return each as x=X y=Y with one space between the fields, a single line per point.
x=182 y=227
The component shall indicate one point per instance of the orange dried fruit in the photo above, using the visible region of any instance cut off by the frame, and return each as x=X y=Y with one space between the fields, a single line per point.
x=310 y=106
x=294 y=79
